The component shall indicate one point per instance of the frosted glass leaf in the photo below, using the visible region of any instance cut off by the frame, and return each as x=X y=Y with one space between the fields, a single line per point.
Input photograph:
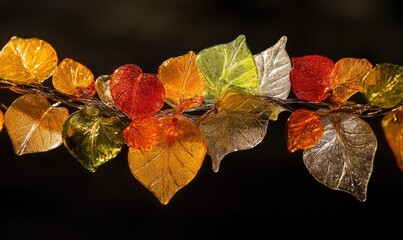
x=237 y=123
x=181 y=79
x=24 y=61
x=173 y=161
x=392 y=125
x=274 y=66
x=347 y=77
x=304 y=130
x=1 y=120
x=343 y=159
x=34 y=125
x=102 y=86
x=73 y=79
x=383 y=86
x=227 y=68
x=91 y=138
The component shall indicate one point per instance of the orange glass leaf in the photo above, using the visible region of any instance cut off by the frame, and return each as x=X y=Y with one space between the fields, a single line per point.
x=142 y=133
x=73 y=79
x=1 y=120
x=392 y=125
x=173 y=161
x=304 y=130
x=347 y=77
x=25 y=61
x=34 y=125
x=182 y=79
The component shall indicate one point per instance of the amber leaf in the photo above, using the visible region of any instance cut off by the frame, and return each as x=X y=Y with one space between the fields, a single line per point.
x=181 y=79
x=304 y=130
x=92 y=138
x=34 y=125
x=142 y=132
x=238 y=122
x=173 y=161
x=392 y=125
x=24 y=61
x=347 y=77
x=74 y=80
x=1 y=120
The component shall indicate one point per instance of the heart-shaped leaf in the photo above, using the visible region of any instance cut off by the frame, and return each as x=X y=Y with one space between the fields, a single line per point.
x=182 y=79
x=73 y=79
x=347 y=77
x=34 y=125
x=173 y=161
x=383 y=86
x=310 y=77
x=91 y=138
x=392 y=125
x=304 y=130
x=344 y=157
x=142 y=132
x=237 y=123
x=102 y=86
x=25 y=61
x=227 y=68
x=135 y=92
x=274 y=66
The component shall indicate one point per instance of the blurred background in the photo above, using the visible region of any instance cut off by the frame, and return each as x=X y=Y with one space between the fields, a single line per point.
x=262 y=192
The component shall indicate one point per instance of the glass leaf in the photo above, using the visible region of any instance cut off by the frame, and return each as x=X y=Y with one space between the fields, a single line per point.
x=142 y=132
x=25 y=61
x=274 y=66
x=34 y=125
x=344 y=157
x=227 y=68
x=173 y=161
x=392 y=125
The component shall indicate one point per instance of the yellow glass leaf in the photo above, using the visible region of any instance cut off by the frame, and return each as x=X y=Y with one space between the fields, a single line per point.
x=24 y=61
x=73 y=79
x=1 y=120
x=182 y=79
x=34 y=125
x=304 y=130
x=173 y=161
x=392 y=125
x=347 y=77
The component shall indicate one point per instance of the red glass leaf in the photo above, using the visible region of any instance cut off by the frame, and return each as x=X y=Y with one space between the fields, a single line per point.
x=310 y=77
x=135 y=92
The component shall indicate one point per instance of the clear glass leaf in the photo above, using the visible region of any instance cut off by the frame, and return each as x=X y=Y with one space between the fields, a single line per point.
x=182 y=79
x=34 y=125
x=274 y=66
x=102 y=86
x=173 y=161
x=73 y=79
x=347 y=77
x=392 y=125
x=91 y=138
x=304 y=130
x=343 y=159
x=227 y=68
x=237 y=123
x=25 y=61
x=383 y=86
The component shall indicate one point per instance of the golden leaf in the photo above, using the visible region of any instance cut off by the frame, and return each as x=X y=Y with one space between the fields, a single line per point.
x=24 y=61
x=347 y=77
x=73 y=79
x=392 y=125
x=34 y=125
x=304 y=130
x=173 y=161
x=182 y=79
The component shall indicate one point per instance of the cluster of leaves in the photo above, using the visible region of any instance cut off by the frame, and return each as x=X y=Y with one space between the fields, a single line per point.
x=238 y=94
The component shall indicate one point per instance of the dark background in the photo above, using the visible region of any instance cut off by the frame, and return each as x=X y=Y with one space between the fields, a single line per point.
x=264 y=192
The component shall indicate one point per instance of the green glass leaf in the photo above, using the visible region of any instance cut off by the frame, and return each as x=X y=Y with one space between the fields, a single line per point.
x=91 y=138
x=383 y=86
x=344 y=157
x=228 y=67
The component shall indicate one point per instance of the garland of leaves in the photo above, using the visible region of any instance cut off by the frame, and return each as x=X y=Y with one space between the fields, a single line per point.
x=218 y=101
